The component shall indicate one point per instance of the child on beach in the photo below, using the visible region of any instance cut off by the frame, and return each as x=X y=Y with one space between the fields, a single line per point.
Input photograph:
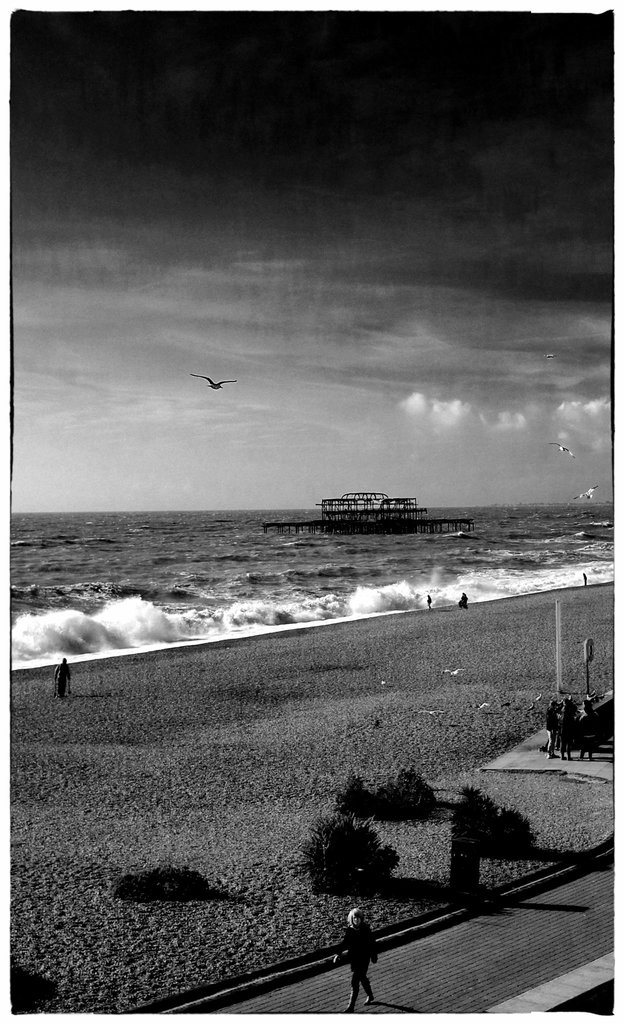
x=361 y=950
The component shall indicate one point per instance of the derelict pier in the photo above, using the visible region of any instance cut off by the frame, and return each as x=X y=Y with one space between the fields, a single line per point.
x=372 y=512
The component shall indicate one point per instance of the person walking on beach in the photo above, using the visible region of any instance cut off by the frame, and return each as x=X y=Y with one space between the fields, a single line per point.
x=568 y=728
x=62 y=678
x=360 y=950
x=584 y=579
x=429 y=601
x=463 y=601
x=552 y=726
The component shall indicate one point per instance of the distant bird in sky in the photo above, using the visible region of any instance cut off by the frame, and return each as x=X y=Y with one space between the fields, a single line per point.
x=212 y=383
x=562 y=448
x=589 y=493
x=549 y=355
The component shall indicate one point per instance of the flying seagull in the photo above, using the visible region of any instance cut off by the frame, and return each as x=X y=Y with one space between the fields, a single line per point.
x=549 y=355
x=484 y=705
x=452 y=671
x=212 y=383
x=562 y=448
x=589 y=493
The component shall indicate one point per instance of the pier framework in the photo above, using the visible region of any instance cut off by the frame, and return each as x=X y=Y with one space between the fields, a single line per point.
x=372 y=512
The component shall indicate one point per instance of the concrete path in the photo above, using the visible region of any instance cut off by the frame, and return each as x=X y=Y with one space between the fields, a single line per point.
x=527 y=757
x=529 y=954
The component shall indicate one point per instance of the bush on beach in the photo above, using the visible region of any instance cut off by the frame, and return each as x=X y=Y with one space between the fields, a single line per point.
x=402 y=797
x=345 y=854
x=497 y=829
x=165 y=883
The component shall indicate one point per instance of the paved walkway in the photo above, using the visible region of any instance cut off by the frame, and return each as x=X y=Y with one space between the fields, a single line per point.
x=528 y=757
x=532 y=952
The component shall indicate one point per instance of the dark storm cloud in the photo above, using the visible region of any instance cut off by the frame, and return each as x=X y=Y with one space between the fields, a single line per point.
x=478 y=146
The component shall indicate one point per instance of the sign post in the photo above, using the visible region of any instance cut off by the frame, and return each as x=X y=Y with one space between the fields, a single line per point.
x=588 y=654
x=558 y=643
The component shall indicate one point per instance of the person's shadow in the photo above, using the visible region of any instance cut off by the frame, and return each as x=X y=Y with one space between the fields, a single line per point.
x=396 y=1006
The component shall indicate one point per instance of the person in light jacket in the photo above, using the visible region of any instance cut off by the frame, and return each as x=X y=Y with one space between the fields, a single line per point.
x=359 y=948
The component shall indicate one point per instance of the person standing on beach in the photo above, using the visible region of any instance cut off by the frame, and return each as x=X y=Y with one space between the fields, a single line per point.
x=588 y=729
x=360 y=950
x=429 y=601
x=62 y=678
x=552 y=726
x=568 y=728
x=584 y=579
x=463 y=601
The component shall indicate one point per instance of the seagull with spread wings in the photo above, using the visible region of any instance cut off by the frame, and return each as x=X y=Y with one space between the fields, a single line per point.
x=213 y=383
x=589 y=493
x=562 y=448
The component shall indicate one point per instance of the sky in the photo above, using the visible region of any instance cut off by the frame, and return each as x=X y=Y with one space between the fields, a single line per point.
x=378 y=223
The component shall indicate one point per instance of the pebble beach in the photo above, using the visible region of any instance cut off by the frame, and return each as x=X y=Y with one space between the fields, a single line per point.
x=219 y=757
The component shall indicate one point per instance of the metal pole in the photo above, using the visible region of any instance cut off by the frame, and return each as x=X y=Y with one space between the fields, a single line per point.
x=558 y=643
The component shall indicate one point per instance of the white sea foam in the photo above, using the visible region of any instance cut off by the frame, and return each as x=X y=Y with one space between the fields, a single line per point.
x=135 y=624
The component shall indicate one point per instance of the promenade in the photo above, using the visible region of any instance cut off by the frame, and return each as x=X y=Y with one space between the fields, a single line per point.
x=544 y=945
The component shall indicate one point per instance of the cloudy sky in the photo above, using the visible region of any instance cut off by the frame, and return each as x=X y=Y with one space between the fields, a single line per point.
x=378 y=223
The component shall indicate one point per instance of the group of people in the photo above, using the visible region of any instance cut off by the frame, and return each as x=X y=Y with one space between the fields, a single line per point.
x=569 y=728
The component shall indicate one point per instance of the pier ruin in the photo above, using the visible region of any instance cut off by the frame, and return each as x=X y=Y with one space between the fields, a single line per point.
x=372 y=512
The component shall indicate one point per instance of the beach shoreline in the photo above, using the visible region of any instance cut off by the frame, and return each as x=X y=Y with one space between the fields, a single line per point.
x=220 y=756
x=261 y=631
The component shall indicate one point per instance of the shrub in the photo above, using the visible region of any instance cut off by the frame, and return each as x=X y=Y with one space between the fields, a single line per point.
x=29 y=990
x=496 y=828
x=355 y=799
x=165 y=883
x=345 y=854
x=406 y=796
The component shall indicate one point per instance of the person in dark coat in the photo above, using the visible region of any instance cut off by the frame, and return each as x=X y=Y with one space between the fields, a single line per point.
x=588 y=729
x=359 y=949
x=568 y=728
x=552 y=726
x=62 y=678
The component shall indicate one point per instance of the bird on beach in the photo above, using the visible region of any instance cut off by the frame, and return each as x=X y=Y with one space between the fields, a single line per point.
x=213 y=383
x=423 y=711
x=589 y=493
x=562 y=448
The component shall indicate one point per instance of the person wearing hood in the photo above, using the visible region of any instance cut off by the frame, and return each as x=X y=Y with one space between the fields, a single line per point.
x=359 y=948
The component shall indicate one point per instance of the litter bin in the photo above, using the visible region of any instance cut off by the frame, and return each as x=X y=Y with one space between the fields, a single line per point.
x=465 y=856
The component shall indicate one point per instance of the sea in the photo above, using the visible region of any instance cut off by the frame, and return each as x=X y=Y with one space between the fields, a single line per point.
x=93 y=585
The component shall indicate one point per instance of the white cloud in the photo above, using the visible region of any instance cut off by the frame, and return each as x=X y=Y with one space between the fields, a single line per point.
x=441 y=415
x=589 y=420
x=577 y=414
x=510 y=421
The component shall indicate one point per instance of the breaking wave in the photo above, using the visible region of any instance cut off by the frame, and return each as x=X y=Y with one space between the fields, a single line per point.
x=134 y=623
